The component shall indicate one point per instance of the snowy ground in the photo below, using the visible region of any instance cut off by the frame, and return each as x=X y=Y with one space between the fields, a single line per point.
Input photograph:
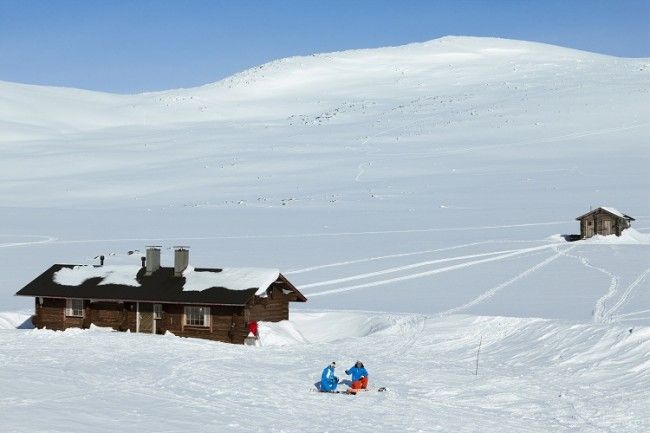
x=534 y=376
x=429 y=183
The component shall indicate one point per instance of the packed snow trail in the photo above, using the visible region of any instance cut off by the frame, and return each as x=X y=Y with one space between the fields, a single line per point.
x=402 y=268
x=44 y=240
x=371 y=259
x=599 y=309
x=305 y=235
x=625 y=297
x=432 y=272
x=490 y=293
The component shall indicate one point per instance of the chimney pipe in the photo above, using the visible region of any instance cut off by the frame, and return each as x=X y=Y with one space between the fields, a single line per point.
x=101 y=260
x=181 y=260
x=152 y=260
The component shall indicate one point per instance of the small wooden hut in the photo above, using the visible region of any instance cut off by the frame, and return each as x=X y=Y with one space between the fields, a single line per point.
x=212 y=303
x=603 y=221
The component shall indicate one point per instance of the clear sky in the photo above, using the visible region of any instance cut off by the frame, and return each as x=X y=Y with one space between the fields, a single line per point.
x=130 y=46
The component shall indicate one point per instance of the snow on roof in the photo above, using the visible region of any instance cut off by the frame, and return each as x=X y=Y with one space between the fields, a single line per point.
x=613 y=211
x=230 y=278
x=110 y=274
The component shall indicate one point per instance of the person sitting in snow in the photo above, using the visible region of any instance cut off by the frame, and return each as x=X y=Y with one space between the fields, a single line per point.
x=328 y=380
x=359 y=376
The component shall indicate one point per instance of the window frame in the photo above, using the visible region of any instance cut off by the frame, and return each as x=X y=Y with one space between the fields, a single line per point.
x=157 y=315
x=71 y=311
x=192 y=313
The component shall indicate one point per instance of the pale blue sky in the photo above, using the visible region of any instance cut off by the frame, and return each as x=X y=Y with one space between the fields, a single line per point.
x=129 y=46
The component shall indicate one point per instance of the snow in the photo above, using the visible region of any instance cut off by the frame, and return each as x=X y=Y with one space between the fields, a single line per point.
x=76 y=275
x=629 y=236
x=413 y=190
x=231 y=278
x=613 y=211
x=534 y=376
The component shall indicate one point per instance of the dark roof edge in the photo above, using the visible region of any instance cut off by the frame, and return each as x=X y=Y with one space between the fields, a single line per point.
x=625 y=216
x=137 y=300
x=301 y=297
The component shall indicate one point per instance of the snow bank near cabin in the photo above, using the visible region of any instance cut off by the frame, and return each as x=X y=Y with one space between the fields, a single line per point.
x=124 y=275
x=231 y=278
x=15 y=319
x=284 y=333
x=628 y=237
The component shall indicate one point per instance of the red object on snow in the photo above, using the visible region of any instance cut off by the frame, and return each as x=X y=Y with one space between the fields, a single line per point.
x=252 y=328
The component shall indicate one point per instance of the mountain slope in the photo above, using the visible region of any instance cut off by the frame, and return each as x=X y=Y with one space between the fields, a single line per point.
x=427 y=177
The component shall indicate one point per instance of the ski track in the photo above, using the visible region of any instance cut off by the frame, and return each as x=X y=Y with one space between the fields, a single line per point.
x=634 y=313
x=490 y=293
x=45 y=240
x=625 y=297
x=391 y=256
x=432 y=272
x=309 y=235
x=599 y=309
x=401 y=268
x=361 y=170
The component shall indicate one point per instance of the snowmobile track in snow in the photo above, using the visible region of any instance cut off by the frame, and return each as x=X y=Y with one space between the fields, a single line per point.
x=434 y=271
x=490 y=293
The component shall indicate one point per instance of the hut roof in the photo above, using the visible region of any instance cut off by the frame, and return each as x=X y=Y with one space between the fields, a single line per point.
x=609 y=210
x=227 y=286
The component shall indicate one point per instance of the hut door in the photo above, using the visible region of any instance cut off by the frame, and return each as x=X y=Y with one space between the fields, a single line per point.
x=607 y=227
x=589 y=232
x=145 y=318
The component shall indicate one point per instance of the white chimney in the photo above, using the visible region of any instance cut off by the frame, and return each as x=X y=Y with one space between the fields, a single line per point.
x=181 y=260
x=152 y=261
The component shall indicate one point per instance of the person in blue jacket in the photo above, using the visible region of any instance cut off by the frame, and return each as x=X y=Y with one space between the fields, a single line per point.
x=359 y=376
x=329 y=381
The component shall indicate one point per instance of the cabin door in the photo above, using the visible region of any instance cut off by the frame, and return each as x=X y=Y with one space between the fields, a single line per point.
x=146 y=323
x=607 y=227
x=589 y=232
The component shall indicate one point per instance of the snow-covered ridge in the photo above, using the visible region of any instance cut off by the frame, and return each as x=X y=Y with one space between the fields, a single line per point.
x=63 y=110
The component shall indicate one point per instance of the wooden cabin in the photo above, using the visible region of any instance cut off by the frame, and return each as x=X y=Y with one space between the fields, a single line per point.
x=211 y=303
x=603 y=221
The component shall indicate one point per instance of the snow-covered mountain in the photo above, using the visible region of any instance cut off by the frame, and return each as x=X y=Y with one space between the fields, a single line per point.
x=397 y=178
x=433 y=178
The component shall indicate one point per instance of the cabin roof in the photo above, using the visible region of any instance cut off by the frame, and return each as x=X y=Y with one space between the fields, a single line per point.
x=609 y=210
x=228 y=286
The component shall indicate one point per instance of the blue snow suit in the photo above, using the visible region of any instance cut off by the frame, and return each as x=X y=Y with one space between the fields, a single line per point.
x=328 y=381
x=357 y=373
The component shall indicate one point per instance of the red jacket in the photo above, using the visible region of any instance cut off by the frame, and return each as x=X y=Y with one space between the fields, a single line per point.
x=252 y=327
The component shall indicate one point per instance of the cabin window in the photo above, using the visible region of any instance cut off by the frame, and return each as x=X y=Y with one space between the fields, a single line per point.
x=157 y=311
x=197 y=316
x=74 y=307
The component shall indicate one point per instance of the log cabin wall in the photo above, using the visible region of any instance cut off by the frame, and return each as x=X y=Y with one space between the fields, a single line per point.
x=227 y=323
x=222 y=319
x=602 y=223
x=50 y=314
x=273 y=308
x=107 y=314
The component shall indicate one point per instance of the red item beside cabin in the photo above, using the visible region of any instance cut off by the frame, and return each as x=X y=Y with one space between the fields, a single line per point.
x=252 y=328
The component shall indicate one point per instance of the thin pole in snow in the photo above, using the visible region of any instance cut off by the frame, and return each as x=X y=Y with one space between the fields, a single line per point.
x=477 y=354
